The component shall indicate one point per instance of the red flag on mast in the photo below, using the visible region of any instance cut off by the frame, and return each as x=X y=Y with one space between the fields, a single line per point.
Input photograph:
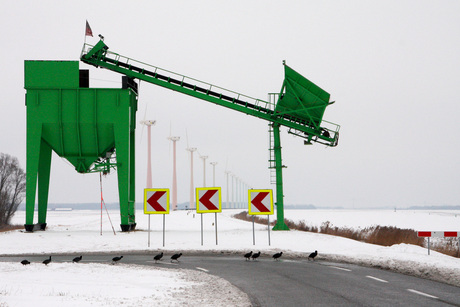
x=88 y=30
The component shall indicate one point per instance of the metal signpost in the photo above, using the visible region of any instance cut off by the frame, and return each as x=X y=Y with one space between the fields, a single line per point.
x=208 y=200
x=439 y=234
x=260 y=202
x=156 y=201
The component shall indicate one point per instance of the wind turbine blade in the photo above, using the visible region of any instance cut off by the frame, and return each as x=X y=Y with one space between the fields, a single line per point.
x=186 y=134
x=143 y=121
x=170 y=128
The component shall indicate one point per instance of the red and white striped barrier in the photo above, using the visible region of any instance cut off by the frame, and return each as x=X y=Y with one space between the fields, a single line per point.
x=438 y=234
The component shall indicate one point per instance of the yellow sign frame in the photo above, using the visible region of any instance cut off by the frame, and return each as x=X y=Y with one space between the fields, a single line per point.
x=250 y=212
x=197 y=196
x=146 y=206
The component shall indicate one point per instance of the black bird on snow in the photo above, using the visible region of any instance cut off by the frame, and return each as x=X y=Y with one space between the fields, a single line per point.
x=176 y=257
x=25 y=262
x=46 y=261
x=277 y=255
x=255 y=256
x=116 y=259
x=158 y=257
x=77 y=259
x=248 y=255
x=313 y=255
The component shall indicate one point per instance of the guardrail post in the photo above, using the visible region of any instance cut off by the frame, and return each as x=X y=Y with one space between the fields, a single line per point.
x=428 y=245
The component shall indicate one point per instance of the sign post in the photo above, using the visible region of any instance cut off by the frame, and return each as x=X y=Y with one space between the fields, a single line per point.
x=156 y=201
x=260 y=202
x=208 y=200
x=439 y=234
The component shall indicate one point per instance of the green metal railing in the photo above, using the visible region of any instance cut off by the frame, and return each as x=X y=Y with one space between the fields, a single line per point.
x=99 y=56
x=299 y=106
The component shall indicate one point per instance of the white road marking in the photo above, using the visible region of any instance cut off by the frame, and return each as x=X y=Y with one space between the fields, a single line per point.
x=161 y=262
x=201 y=269
x=339 y=268
x=422 y=293
x=375 y=278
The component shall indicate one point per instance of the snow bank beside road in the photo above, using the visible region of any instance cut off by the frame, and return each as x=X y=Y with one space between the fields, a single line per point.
x=78 y=232
x=68 y=284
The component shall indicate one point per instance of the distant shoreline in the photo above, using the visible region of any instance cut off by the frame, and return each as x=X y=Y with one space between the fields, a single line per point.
x=184 y=206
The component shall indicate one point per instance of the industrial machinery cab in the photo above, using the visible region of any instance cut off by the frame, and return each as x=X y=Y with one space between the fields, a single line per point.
x=92 y=128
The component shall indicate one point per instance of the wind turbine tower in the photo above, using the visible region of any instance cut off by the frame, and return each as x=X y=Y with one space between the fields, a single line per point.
x=204 y=169
x=227 y=204
x=149 y=124
x=213 y=173
x=192 y=202
x=174 y=139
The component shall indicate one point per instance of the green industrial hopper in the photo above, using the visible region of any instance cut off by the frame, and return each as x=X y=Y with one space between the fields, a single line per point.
x=92 y=128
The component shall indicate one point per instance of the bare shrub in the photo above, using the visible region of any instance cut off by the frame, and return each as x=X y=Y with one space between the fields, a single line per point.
x=447 y=246
x=380 y=235
x=389 y=235
x=12 y=187
x=6 y=228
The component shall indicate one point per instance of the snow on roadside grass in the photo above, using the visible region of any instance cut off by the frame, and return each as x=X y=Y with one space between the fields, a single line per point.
x=68 y=284
x=77 y=232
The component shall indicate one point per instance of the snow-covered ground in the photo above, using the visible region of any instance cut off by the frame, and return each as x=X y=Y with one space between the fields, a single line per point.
x=76 y=232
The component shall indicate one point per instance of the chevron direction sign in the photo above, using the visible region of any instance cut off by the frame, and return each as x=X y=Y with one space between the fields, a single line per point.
x=156 y=201
x=208 y=200
x=260 y=202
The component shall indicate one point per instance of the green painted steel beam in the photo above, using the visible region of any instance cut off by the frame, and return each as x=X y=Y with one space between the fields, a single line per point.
x=280 y=224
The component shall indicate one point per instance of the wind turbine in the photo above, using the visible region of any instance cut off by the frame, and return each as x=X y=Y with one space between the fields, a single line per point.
x=204 y=169
x=192 y=202
x=233 y=194
x=192 y=187
x=174 y=139
x=149 y=124
x=213 y=173
x=227 y=203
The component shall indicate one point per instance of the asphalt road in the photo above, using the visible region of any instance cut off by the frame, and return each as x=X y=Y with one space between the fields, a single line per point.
x=294 y=282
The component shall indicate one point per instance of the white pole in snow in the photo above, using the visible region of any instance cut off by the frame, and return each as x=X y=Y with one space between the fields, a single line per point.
x=268 y=230
x=253 y=232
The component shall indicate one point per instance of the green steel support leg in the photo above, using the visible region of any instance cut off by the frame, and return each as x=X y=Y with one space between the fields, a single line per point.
x=34 y=133
x=132 y=180
x=44 y=168
x=122 y=144
x=280 y=225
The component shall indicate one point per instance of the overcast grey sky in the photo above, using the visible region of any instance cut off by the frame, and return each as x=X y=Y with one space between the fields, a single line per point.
x=393 y=68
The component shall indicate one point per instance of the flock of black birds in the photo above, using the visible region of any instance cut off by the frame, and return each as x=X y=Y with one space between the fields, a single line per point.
x=175 y=257
x=276 y=256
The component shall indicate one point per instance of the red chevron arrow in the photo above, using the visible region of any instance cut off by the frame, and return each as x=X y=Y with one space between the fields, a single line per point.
x=205 y=200
x=153 y=201
x=257 y=202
